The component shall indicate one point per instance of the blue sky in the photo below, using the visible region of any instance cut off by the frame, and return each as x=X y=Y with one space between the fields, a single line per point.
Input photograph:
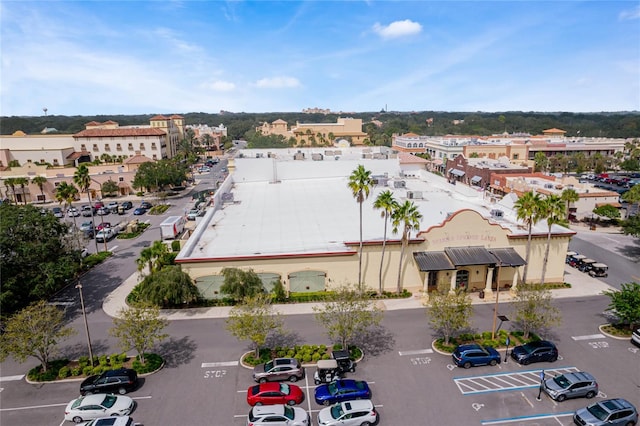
x=130 y=57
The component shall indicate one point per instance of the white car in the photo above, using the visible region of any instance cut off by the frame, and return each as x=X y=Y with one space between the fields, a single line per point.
x=278 y=415
x=96 y=406
x=73 y=212
x=193 y=214
x=360 y=412
x=113 y=421
x=105 y=234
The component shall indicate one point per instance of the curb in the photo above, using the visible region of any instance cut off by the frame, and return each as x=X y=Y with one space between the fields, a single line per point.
x=601 y=328
x=71 y=380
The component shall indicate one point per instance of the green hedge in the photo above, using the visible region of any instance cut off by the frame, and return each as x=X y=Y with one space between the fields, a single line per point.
x=484 y=339
x=303 y=353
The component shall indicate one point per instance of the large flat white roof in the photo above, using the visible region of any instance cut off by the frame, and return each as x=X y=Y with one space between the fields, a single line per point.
x=301 y=212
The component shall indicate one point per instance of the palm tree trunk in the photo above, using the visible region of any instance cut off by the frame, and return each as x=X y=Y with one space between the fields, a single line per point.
x=384 y=246
x=360 y=255
x=546 y=257
x=526 y=260
x=399 y=286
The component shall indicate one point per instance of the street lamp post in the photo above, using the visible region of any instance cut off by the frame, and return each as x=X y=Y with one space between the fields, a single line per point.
x=86 y=324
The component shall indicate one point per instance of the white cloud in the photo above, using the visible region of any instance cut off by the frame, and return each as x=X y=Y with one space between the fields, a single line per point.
x=220 y=86
x=397 y=29
x=630 y=14
x=277 y=82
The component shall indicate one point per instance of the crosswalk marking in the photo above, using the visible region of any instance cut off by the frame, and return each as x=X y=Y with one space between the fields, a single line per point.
x=416 y=352
x=11 y=378
x=219 y=364
x=588 y=337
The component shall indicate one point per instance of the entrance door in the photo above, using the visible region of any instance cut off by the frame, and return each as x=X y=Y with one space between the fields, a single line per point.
x=462 y=279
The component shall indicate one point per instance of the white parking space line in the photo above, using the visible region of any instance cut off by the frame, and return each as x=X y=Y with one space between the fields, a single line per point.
x=11 y=378
x=588 y=337
x=521 y=420
x=416 y=352
x=505 y=381
x=219 y=364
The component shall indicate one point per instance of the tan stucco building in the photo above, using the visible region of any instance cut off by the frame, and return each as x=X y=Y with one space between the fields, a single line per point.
x=317 y=134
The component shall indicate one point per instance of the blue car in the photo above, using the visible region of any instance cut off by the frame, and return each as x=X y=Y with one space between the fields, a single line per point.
x=472 y=355
x=342 y=390
x=139 y=211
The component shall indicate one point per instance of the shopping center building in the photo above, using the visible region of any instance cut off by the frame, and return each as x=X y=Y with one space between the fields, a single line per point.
x=296 y=220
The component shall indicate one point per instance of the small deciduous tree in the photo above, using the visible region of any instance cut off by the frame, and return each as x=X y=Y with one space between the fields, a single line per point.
x=533 y=309
x=626 y=303
x=240 y=283
x=34 y=331
x=253 y=320
x=347 y=314
x=139 y=327
x=449 y=312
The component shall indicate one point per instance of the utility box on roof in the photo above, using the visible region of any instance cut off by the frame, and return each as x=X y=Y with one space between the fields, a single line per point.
x=172 y=227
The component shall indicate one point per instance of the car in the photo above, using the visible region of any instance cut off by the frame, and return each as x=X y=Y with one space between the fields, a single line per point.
x=204 y=169
x=274 y=393
x=103 y=225
x=139 y=211
x=105 y=235
x=113 y=421
x=342 y=390
x=86 y=210
x=278 y=415
x=224 y=170
x=98 y=205
x=103 y=211
x=536 y=351
x=635 y=337
x=57 y=212
x=84 y=252
x=73 y=212
x=94 y=406
x=122 y=380
x=193 y=214
x=349 y=413
x=610 y=412
x=128 y=205
x=113 y=206
x=145 y=205
x=86 y=226
x=571 y=385
x=474 y=354
x=279 y=369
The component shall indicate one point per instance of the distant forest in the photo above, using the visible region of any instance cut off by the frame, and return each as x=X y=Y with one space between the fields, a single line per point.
x=428 y=123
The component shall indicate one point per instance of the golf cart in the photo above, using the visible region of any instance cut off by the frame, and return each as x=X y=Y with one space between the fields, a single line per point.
x=569 y=257
x=599 y=270
x=586 y=265
x=576 y=259
x=345 y=364
x=326 y=372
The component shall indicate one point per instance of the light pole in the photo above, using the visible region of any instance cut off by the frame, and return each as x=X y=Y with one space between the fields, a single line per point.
x=86 y=324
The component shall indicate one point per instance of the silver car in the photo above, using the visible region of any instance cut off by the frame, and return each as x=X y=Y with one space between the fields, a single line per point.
x=279 y=369
x=610 y=412
x=571 y=385
x=360 y=412
x=278 y=415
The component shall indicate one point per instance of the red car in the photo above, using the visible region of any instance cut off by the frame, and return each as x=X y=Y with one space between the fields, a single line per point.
x=274 y=393
x=103 y=225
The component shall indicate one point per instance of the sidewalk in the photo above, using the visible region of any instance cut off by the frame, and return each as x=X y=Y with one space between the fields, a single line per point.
x=582 y=285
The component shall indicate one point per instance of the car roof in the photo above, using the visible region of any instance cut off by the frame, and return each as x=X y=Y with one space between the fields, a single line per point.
x=615 y=404
x=263 y=410
x=92 y=399
x=540 y=344
x=357 y=405
x=269 y=386
x=119 y=372
x=285 y=361
x=579 y=376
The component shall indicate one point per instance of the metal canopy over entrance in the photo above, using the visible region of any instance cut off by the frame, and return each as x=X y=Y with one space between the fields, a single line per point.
x=465 y=256
x=457 y=172
x=433 y=261
x=508 y=257
x=476 y=179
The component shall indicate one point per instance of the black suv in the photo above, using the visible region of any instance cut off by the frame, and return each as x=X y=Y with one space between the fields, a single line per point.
x=122 y=381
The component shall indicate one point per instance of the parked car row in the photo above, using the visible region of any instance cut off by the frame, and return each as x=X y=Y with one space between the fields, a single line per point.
x=584 y=264
x=347 y=401
x=578 y=384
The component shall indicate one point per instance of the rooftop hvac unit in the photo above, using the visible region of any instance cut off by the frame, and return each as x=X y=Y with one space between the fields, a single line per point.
x=414 y=195
x=548 y=186
x=497 y=213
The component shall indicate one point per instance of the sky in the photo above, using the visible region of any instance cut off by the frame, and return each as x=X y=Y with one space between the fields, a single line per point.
x=148 y=57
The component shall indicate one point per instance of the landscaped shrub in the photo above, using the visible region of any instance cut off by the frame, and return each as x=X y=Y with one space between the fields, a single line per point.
x=83 y=361
x=122 y=357
x=64 y=372
x=316 y=356
x=36 y=373
x=306 y=357
x=87 y=371
x=103 y=360
x=175 y=245
x=76 y=371
x=98 y=369
x=152 y=363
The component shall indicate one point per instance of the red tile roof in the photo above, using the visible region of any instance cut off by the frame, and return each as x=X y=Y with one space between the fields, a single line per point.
x=110 y=122
x=159 y=117
x=176 y=116
x=406 y=158
x=138 y=159
x=77 y=154
x=121 y=132
x=92 y=123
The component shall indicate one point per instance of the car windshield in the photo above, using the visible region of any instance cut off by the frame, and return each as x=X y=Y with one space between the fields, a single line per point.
x=268 y=366
x=562 y=381
x=109 y=400
x=597 y=411
x=284 y=388
x=360 y=385
x=332 y=388
x=336 y=411
x=288 y=412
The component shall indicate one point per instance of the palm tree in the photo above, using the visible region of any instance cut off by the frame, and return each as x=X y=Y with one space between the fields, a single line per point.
x=552 y=209
x=569 y=196
x=66 y=193
x=22 y=181
x=40 y=181
x=83 y=180
x=11 y=183
x=387 y=203
x=152 y=257
x=408 y=216
x=527 y=209
x=360 y=183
